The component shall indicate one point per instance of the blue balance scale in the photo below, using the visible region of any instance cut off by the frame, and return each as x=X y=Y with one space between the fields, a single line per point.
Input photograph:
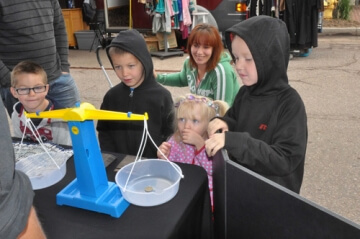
x=90 y=190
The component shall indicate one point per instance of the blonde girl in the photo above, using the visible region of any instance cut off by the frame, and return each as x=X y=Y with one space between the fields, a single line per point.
x=187 y=144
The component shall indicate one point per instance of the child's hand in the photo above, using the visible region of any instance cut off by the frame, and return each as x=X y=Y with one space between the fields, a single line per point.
x=165 y=148
x=214 y=143
x=189 y=136
x=216 y=126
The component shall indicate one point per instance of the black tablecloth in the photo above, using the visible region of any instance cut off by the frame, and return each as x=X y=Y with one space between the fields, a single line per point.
x=187 y=215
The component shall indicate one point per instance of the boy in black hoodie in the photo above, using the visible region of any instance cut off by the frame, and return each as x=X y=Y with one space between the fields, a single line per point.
x=138 y=93
x=266 y=128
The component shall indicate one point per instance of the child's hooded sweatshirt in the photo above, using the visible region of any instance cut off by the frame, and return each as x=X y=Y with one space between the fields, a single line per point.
x=267 y=122
x=150 y=97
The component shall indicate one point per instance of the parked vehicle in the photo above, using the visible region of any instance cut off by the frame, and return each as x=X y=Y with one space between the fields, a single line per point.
x=226 y=13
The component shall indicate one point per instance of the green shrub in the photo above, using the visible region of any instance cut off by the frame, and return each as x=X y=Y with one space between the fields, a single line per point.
x=344 y=9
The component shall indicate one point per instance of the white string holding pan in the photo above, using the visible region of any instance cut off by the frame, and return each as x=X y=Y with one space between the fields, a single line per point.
x=44 y=163
x=149 y=182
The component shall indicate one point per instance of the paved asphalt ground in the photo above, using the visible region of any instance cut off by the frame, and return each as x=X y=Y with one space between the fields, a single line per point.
x=328 y=81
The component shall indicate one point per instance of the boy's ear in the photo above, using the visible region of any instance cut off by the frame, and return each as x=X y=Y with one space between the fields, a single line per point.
x=13 y=92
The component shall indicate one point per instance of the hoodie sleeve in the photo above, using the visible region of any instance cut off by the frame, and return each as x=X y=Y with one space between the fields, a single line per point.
x=175 y=79
x=279 y=155
x=16 y=195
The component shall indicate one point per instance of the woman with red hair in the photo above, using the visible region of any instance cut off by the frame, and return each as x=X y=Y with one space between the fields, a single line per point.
x=207 y=71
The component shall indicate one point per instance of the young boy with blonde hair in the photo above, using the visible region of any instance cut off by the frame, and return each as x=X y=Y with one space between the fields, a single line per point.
x=30 y=86
x=265 y=130
x=138 y=92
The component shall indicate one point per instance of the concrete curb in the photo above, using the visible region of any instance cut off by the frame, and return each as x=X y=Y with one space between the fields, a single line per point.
x=328 y=31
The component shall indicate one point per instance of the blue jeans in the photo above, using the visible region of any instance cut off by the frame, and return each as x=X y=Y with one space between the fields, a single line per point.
x=63 y=90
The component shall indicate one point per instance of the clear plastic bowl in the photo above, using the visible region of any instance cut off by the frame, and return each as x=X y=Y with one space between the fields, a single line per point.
x=152 y=182
x=42 y=170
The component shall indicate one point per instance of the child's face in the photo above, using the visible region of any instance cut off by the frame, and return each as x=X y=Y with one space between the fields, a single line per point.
x=32 y=101
x=201 y=53
x=244 y=62
x=194 y=121
x=129 y=69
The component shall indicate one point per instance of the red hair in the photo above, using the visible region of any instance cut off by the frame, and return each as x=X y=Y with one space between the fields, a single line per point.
x=208 y=35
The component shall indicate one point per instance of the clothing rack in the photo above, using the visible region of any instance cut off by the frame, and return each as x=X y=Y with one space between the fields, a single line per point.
x=165 y=18
x=167 y=52
x=303 y=31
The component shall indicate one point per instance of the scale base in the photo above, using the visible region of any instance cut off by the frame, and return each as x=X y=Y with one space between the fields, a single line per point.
x=109 y=202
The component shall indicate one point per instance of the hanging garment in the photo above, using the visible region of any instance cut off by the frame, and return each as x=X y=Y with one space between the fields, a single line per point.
x=260 y=7
x=282 y=5
x=186 y=13
x=158 y=24
x=160 y=7
x=180 y=10
x=168 y=11
x=169 y=5
x=89 y=10
x=301 y=18
x=176 y=14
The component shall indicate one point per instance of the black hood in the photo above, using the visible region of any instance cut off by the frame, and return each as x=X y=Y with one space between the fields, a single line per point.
x=269 y=43
x=133 y=42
